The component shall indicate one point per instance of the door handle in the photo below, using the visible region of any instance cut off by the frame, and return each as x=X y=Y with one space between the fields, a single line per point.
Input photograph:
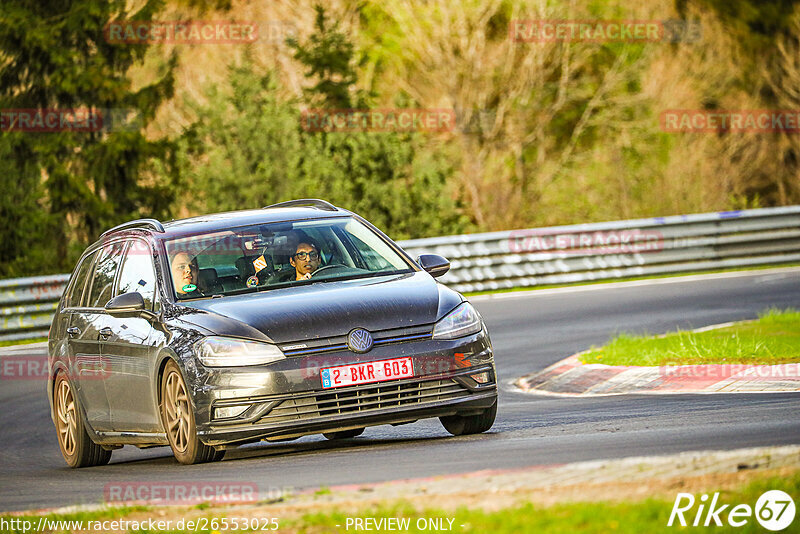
x=104 y=333
x=73 y=331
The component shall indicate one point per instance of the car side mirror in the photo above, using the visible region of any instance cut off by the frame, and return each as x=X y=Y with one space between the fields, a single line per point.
x=434 y=264
x=127 y=304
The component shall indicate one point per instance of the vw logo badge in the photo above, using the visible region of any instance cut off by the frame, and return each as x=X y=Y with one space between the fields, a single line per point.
x=359 y=340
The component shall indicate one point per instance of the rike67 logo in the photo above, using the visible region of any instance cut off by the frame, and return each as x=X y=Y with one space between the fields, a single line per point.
x=774 y=510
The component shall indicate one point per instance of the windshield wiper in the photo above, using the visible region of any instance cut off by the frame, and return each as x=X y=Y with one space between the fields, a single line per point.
x=356 y=276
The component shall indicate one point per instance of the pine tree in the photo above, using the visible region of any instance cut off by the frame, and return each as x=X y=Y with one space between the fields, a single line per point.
x=69 y=186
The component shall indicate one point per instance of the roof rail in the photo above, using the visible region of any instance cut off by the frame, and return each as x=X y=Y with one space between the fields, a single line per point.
x=138 y=223
x=313 y=202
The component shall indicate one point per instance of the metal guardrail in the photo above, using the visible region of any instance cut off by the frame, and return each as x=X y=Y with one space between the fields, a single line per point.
x=621 y=249
x=533 y=257
x=27 y=305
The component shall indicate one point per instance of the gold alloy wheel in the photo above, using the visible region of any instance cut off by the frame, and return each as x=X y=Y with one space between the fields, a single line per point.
x=66 y=420
x=176 y=408
x=178 y=419
x=76 y=446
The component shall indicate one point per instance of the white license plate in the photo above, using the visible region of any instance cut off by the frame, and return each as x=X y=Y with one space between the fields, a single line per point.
x=364 y=373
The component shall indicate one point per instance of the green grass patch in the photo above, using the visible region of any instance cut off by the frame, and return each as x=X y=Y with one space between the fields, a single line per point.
x=772 y=339
x=22 y=341
x=634 y=517
x=79 y=516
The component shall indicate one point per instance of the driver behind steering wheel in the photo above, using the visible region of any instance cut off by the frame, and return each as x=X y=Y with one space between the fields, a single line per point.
x=305 y=260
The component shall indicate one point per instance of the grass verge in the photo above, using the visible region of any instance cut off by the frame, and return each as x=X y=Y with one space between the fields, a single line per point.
x=772 y=339
x=11 y=343
x=9 y=522
x=634 y=517
x=631 y=515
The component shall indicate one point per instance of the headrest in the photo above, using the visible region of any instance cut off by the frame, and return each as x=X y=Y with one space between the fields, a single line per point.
x=245 y=267
x=208 y=276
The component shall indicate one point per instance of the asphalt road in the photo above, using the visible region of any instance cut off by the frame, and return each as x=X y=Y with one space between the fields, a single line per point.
x=529 y=331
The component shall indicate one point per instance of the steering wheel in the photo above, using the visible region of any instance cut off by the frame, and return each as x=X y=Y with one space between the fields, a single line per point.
x=325 y=268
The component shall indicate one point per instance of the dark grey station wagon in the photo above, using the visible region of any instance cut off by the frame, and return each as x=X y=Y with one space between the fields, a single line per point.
x=296 y=319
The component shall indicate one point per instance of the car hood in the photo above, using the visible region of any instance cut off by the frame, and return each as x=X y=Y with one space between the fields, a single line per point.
x=325 y=309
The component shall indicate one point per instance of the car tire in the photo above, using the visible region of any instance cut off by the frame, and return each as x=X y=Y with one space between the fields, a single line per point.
x=460 y=425
x=76 y=446
x=344 y=434
x=177 y=416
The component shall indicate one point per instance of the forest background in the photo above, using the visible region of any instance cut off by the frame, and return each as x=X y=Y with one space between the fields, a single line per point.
x=546 y=133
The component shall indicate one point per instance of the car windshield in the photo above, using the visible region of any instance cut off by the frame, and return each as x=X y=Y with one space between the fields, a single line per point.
x=269 y=256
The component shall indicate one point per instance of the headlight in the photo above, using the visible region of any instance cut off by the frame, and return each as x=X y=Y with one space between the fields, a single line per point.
x=218 y=351
x=462 y=321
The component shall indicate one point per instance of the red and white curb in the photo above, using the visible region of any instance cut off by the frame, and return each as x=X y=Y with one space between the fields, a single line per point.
x=572 y=378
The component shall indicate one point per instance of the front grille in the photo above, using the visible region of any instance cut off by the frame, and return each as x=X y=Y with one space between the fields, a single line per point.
x=363 y=399
x=380 y=338
x=403 y=339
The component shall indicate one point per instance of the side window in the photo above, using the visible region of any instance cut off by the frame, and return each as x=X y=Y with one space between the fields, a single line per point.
x=137 y=273
x=75 y=291
x=102 y=285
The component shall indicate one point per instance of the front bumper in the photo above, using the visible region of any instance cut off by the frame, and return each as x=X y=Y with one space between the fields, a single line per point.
x=285 y=399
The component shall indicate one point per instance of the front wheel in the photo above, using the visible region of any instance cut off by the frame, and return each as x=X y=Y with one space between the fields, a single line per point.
x=460 y=425
x=178 y=418
x=76 y=446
